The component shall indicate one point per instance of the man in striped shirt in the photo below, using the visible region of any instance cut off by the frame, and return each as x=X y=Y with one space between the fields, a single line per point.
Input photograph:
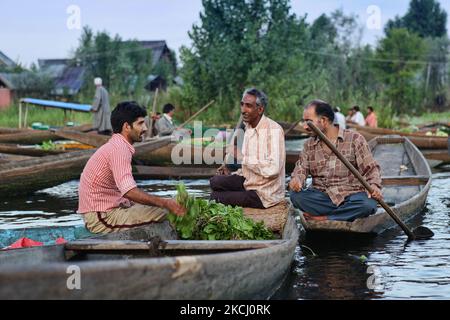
x=109 y=198
x=261 y=181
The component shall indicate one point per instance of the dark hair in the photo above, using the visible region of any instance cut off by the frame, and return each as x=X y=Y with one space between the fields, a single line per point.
x=323 y=109
x=261 y=97
x=168 y=108
x=370 y=108
x=356 y=108
x=126 y=112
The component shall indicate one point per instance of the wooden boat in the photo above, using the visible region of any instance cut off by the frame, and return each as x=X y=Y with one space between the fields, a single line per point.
x=135 y=265
x=25 y=151
x=406 y=182
x=422 y=141
x=29 y=136
x=31 y=175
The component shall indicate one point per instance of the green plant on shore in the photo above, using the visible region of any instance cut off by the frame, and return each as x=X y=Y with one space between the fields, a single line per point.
x=208 y=220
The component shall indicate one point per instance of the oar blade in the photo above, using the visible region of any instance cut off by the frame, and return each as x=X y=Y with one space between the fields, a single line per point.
x=422 y=233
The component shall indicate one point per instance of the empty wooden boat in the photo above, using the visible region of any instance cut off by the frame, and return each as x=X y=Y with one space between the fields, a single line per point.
x=406 y=182
x=135 y=264
x=421 y=140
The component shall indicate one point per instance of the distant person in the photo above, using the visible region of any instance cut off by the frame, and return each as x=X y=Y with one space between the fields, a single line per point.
x=357 y=117
x=101 y=109
x=371 y=119
x=165 y=125
x=335 y=194
x=339 y=118
x=109 y=199
x=153 y=129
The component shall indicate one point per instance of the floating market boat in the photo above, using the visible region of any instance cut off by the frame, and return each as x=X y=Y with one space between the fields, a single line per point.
x=27 y=176
x=150 y=263
x=406 y=180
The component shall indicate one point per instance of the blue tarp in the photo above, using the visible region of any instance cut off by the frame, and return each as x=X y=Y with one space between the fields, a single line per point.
x=59 y=105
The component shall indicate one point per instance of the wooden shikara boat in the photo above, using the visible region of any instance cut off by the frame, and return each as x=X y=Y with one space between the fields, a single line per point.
x=422 y=141
x=135 y=265
x=29 y=136
x=31 y=175
x=406 y=181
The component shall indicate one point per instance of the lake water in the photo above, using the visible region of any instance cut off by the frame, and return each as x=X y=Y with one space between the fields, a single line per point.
x=382 y=267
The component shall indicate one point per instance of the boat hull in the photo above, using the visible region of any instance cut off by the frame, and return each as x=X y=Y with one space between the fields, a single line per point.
x=247 y=274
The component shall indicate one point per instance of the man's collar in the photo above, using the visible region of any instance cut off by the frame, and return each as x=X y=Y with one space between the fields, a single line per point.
x=340 y=136
x=120 y=137
x=168 y=117
x=259 y=125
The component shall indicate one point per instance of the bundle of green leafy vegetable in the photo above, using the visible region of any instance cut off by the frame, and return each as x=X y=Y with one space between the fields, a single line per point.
x=208 y=220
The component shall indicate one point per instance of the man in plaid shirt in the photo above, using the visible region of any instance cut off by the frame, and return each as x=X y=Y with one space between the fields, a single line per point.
x=335 y=193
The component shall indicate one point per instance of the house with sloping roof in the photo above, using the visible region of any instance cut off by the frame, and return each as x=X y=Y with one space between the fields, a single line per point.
x=68 y=78
x=6 y=62
x=160 y=54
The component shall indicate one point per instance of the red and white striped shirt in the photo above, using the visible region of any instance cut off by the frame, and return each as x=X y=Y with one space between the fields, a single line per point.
x=107 y=177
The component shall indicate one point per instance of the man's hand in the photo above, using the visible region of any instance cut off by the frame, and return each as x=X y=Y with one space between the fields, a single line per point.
x=223 y=171
x=295 y=184
x=376 y=194
x=174 y=207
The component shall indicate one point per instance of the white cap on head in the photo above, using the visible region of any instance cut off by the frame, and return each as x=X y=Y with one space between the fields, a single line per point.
x=98 y=81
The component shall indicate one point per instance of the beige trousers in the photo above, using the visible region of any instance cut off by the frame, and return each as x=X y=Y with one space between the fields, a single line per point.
x=120 y=219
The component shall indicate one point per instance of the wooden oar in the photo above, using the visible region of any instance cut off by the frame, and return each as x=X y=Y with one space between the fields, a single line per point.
x=292 y=127
x=418 y=233
x=150 y=129
x=196 y=114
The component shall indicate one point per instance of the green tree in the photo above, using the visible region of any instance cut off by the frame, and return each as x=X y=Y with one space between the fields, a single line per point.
x=398 y=61
x=237 y=44
x=123 y=65
x=424 y=17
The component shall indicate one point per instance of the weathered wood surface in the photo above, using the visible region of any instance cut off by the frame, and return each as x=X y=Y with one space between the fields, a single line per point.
x=41 y=273
x=31 y=175
x=29 y=136
x=408 y=178
x=32 y=152
x=172 y=172
x=422 y=142
x=92 y=139
x=125 y=245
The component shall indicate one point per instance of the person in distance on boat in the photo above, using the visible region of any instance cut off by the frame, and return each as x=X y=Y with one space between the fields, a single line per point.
x=339 y=118
x=109 y=199
x=165 y=126
x=101 y=109
x=260 y=182
x=371 y=119
x=357 y=117
x=335 y=193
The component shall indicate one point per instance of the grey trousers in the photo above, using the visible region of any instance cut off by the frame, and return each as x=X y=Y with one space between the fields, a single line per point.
x=318 y=203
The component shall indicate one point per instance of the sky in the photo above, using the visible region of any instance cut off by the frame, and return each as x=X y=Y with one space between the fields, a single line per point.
x=50 y=29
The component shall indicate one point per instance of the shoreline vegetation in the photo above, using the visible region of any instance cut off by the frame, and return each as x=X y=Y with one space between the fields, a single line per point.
x=55 y=118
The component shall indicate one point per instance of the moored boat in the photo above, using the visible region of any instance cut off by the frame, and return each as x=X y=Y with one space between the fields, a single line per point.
x=421 y=140
x=31 y=175
x=136 y=264
x=406 y=182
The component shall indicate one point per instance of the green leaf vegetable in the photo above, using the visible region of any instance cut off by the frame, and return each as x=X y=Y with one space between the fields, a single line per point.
x=208 y=220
